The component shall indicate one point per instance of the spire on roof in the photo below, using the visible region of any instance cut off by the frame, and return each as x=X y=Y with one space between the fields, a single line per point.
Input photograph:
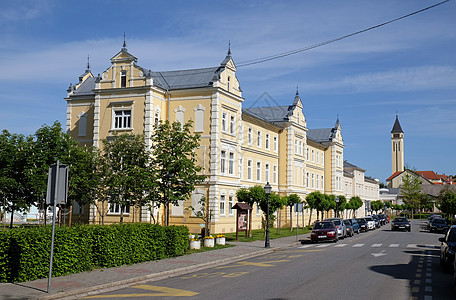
x=229 y=48
x=337 y=122
x=397 y=126
x=297 y=90
x=88 y=63
x=124 y=45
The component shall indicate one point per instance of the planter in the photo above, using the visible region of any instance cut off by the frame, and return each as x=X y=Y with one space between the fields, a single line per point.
x=209 y=242
x=195 y=244
x=191 y=236
x=220 y=241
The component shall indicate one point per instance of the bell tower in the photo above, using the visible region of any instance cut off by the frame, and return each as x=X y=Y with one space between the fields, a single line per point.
x=397 y=147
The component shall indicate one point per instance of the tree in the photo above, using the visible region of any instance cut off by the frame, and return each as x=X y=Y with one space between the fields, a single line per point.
x=251 y=196
x=312 y=201
x=125 y=172
x=355 y=203
x=447 y=202
x=341 y=205
x=204 y=213
x=275 y=202
x=290 y=201
x=411 y=190
x=377 y=205
x=173 y=168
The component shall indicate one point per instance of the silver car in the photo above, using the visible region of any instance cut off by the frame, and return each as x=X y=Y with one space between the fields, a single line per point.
x=341 y=228
x=370 y=223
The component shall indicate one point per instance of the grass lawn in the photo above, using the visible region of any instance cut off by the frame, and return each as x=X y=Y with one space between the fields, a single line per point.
x=258 y=234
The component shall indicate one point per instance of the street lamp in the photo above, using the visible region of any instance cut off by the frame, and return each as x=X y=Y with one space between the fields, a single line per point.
x=267 y=190
x=337 y=206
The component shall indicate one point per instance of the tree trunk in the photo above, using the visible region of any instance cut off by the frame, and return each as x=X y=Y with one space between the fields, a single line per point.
x=12 y=217
x=310 y=217
x=291 y=218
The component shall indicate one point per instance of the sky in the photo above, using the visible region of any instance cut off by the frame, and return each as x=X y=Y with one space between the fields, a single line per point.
x=406 y=68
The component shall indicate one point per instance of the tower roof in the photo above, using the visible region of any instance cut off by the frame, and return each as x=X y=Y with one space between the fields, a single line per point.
x=397 y=126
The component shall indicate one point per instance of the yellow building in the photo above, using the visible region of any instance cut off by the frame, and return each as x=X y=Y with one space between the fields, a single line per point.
x=240 y=147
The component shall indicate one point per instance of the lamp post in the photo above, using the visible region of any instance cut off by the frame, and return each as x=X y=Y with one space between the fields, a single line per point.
x=337 y=206
x=267 y=190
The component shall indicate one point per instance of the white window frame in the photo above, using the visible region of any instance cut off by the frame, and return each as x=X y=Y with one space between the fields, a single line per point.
x=224 y=115
x=266 y=172
x=231 y=163
x=259 y=139
x=249 y=169
x=118 y=121
x=250 y=136
x=266 y=141
x=232 y=124
x=114 y=209
x=223 y=161
x=230 y=204
x=274 y=174
x=222 y=204
x=258 y=171
x=275 y=144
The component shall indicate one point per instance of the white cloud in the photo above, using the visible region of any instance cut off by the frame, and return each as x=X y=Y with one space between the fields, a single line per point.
x=16 y=11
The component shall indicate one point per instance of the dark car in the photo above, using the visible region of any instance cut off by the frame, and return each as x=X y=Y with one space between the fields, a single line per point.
x=377 y=221
x=362 y=224
x=349 y=226
x=401 y=223
x=340 y=226
x=438 y=225
x=382 y=219
x=355 y=225
x=447 y=248
x=324 y=230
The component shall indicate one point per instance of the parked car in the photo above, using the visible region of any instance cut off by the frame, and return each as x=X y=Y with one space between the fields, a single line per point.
x=362 y=224
x=355 y=225
x=438 y=225
x=340 y=226
x=432 y=217
x=377 y=221
x=370 y=223
x=350 y=230
x=401 y=223
x=324 y=230
x=447 y=248
x=382 y=219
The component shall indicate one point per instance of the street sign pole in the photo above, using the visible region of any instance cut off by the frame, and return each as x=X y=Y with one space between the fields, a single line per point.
x=54 y=205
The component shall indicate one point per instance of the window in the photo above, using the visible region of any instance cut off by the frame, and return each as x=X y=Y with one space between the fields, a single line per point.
x=222 y=204
x=230 y=205
x=257 y=209
x=274 y=174
x=241 y=170
x=123 y=78
x=313 y=155
x=199 y=118
x=114 y=208
x=249 y=169
x=318 y=157
x=266 y=141
x=82 y=124
x=222 y=162
x=322 y=158
x=300 y=147
x=224 y=122
x=316 y=181
x=296 y=146
x=275 y=144
x=122 y=119
x=266 y=174
x=232 y=125
x=231 y=164
x=258 y=175
x=228 y=83
x=259 y=139
x=322 y=185
x=307 y=179
x=313 y=180
x=307 y=154
x=157 y=118
x=250 y=136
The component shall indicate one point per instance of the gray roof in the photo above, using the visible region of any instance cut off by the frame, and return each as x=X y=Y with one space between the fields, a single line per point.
x=397 y=126
x=320 y=135
x=269 y=114
x=86 y=88
x=185 y=79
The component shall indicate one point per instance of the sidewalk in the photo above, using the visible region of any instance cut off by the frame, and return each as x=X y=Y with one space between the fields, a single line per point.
x=76 y=286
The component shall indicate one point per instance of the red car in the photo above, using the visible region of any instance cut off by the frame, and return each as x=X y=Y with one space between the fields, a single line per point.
x=324 y=231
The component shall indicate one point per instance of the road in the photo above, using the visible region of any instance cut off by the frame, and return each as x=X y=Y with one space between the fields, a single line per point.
x=380 y=264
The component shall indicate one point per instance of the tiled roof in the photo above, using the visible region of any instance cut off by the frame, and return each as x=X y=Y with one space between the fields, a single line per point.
x=428 y=175
x=394 y=175
x=86 y=88
x=320 y=135
x=185 y=79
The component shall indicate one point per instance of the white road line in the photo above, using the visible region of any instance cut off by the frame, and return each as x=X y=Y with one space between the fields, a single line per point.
x=340 y=245
x=376 y=245
x=357 y=245
x=324 y=246
x=305 y=246
x=393 y=246
x=411 y=246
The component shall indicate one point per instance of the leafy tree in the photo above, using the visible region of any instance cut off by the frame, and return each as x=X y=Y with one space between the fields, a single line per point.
x=290 y=201
x=174 y=169
x=411 y=190
x=447 y=202
x=312 y=201
x=252 y=195
x=377 y=205
x=355 y=203
x=324 y=204
x=13 y=186
x=125 y=173
x=275 y=202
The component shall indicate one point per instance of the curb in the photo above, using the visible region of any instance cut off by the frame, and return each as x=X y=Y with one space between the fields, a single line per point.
x=98 y=289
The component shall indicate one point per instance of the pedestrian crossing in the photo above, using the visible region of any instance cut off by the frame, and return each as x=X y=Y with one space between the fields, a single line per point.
x=341 y=245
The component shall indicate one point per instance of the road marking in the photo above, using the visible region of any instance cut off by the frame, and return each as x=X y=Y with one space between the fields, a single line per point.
x=340 y=245
x=357 y=245
x=324 y=246
x=379 y=254
x=256 y=264
x=393 y=246
x=376 y=245
x=411 y=246
x=161 y=291
x=305 y=246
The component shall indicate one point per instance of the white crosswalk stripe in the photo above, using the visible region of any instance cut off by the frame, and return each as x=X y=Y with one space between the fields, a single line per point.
x=357 y=245
x=340 y=245
x=393 y=246
x=376 y=245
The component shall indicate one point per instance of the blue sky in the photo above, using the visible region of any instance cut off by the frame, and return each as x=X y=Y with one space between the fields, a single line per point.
x=407 y=67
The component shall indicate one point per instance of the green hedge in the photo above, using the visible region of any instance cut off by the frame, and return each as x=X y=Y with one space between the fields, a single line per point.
x=24 y=252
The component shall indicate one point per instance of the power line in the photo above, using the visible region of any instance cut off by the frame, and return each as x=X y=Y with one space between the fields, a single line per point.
x=288 y=53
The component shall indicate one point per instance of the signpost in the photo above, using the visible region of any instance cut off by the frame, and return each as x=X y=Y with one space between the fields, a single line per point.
x=298 y=208
x=57 y=193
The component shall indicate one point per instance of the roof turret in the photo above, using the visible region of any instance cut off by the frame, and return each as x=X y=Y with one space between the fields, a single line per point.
x=397 y=126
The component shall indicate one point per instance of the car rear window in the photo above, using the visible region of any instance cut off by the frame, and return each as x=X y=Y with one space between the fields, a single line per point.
x=400 y=220
x=323 y=225
x=439 y=221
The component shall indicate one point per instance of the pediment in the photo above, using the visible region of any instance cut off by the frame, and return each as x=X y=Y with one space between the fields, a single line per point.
x=123 y=55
